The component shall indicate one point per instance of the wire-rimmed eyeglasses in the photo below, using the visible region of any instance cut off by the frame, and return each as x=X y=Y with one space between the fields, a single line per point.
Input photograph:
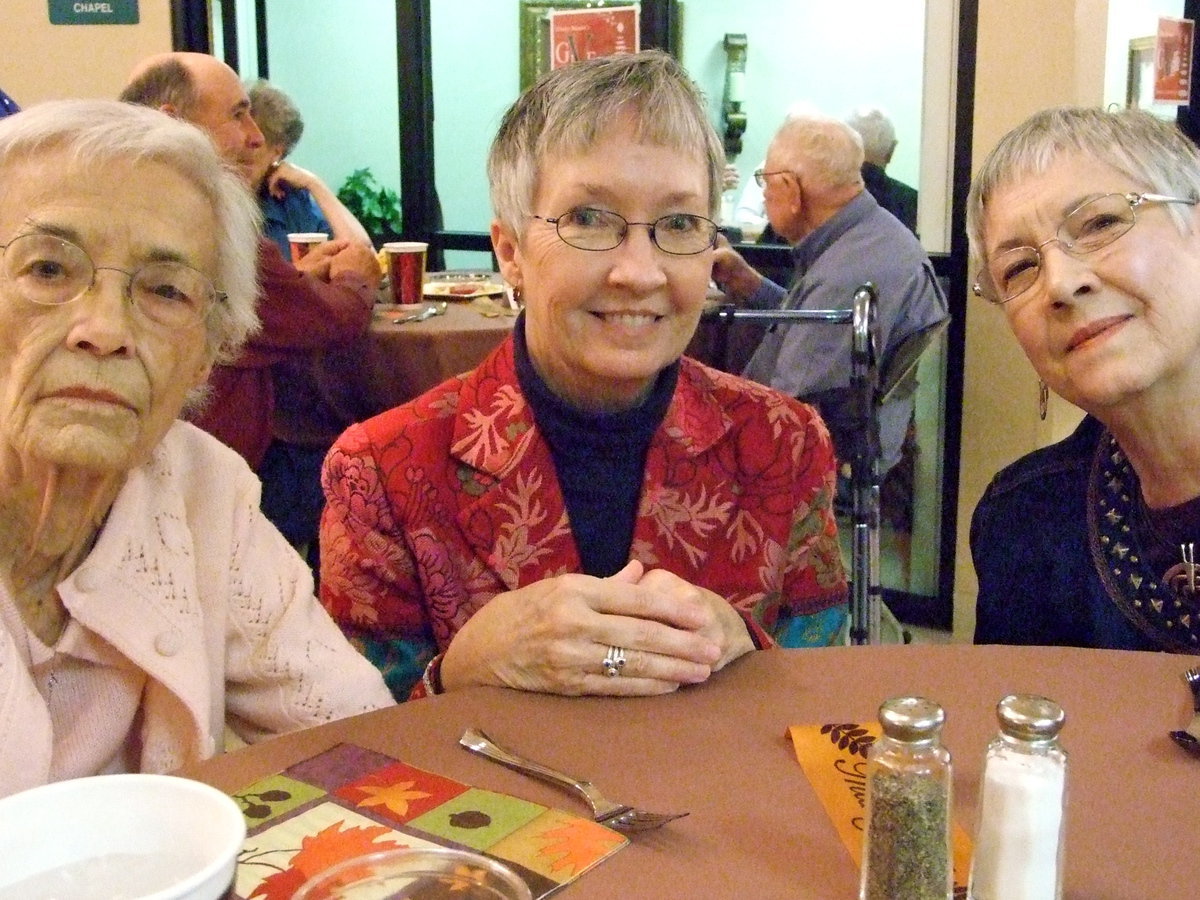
x=679 y=234
x=50 y=271
x=760 y=177
x=1093 y=224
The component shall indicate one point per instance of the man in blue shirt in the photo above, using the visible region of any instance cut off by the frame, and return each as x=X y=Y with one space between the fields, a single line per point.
x=8 y=105
x=841 y=237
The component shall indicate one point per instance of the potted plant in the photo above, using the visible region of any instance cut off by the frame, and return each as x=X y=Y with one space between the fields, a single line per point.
x=375 y=206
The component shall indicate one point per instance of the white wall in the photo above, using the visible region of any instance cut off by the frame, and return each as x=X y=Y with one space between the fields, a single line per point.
x=340 y=68
x=834 y=55
x=1127 y=20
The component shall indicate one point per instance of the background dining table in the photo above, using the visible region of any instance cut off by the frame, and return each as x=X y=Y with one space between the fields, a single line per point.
x=406 y=359
x=756 y=829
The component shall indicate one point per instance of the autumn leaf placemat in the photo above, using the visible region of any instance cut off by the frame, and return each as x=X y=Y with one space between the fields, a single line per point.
x=348 y=801
x=834 y=758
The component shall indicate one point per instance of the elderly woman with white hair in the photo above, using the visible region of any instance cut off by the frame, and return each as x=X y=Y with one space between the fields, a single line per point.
x=589 y=512
x=1086 y=231
x=145 y=603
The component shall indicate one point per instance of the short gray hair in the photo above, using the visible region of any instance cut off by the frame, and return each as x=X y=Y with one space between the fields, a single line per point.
x=97 y=131
x=167 y=82
x=569 y=109
x=275 y=114
x=821 y=148
x=877 y=133
x=1151 y=152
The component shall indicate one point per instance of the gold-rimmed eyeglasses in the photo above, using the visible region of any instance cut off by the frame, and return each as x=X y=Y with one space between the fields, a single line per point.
x=1092 y=225
x=587 y=228
x=50 y=271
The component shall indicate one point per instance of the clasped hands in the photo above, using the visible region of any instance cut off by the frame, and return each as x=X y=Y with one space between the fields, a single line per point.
x=552 y=636
x=331 y=258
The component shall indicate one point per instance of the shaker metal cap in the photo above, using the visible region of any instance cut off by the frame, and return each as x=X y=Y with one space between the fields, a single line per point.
x=1029 y=717
x=911 y=718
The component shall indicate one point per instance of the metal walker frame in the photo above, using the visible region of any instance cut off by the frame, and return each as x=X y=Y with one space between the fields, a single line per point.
x=866 y=595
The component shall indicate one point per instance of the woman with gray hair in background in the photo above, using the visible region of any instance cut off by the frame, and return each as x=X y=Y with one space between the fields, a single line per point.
x=292 y=199
x=588 y=512
x=145 y=602
x=1086 y=231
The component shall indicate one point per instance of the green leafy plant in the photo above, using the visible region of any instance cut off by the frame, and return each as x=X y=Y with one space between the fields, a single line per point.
x=375 y=206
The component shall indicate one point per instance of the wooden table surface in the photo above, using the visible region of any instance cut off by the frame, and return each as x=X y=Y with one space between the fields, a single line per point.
x=756 y=828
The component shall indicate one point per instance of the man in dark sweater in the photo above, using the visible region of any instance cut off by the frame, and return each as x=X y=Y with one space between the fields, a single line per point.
x=879 y=143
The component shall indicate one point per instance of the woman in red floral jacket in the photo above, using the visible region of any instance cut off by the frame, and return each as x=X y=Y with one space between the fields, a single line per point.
x=588 y=512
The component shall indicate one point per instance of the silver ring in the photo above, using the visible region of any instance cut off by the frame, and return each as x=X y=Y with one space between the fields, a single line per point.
x=614 y=662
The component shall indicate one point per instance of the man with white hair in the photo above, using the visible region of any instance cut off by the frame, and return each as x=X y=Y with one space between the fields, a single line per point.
x=879 y=143
x=841 y=237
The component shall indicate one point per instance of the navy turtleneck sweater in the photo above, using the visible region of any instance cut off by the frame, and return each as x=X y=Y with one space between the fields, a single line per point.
x=600 y=460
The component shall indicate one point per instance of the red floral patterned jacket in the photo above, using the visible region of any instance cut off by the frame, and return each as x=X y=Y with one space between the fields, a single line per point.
x=436 y=506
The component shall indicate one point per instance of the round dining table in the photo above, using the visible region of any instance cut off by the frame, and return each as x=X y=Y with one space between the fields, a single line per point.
x=755 y=828
x=405 y=359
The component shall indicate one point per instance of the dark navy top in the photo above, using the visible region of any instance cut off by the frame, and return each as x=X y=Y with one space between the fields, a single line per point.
x=599 y=458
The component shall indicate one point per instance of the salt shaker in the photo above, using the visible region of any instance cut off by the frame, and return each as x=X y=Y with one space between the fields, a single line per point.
x=906 y=851
x=1019 y=842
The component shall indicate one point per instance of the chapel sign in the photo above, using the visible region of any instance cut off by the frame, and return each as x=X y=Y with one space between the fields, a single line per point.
x=93 y=12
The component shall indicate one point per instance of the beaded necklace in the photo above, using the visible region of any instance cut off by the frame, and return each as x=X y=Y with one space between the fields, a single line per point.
x=1164 y=608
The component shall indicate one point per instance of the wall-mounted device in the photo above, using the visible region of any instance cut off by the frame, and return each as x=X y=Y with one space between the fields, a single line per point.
x=735 y=93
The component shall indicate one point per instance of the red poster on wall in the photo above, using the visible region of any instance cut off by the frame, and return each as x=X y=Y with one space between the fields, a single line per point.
x=1173 y=61
x=589 y=33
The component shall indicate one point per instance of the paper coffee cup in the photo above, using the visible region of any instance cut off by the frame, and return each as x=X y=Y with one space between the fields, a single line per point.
x=406 y=270
x=302 y=241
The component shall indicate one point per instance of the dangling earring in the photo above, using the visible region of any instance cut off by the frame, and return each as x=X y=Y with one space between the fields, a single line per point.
x=1043 y=399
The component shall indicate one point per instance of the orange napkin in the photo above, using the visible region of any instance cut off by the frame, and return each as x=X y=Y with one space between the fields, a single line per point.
x=834 y=758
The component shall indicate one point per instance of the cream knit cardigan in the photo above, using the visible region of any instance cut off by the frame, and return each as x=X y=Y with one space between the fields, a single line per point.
x=190 y=582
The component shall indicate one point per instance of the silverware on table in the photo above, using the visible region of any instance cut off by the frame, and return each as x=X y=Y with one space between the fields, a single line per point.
x=433 y=309
x=617 y=816
x=1189 y=738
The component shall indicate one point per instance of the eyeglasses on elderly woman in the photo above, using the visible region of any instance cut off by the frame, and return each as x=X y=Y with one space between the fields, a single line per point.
x=679 y=234
x=1092 y=225
x=50 y=271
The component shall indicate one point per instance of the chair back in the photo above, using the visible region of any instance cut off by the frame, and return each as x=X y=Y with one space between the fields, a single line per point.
x=899 y=366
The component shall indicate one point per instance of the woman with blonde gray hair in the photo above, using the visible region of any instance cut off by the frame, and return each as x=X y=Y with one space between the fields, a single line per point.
x=588 y=512
x=1086 y=231
x=145 y=603
x=292 y=199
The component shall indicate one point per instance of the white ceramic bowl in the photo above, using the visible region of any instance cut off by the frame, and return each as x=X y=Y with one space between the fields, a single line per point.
x=155 y=837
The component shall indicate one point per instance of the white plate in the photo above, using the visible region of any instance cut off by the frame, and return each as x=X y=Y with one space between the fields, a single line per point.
x=462 y=290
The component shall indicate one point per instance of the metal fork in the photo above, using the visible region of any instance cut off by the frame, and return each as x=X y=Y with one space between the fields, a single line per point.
x=433 y=309
x=1189 y=738
x=617 y=816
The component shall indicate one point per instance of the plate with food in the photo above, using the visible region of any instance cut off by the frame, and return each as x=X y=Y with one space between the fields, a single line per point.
x=462 y=288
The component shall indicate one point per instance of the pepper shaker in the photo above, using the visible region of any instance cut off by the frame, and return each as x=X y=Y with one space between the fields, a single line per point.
x=1019 y=842
x=906 y=851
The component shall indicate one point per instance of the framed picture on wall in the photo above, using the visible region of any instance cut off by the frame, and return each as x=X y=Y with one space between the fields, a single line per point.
x=1142 y=77
x=1173 y=61
x=560 y=31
